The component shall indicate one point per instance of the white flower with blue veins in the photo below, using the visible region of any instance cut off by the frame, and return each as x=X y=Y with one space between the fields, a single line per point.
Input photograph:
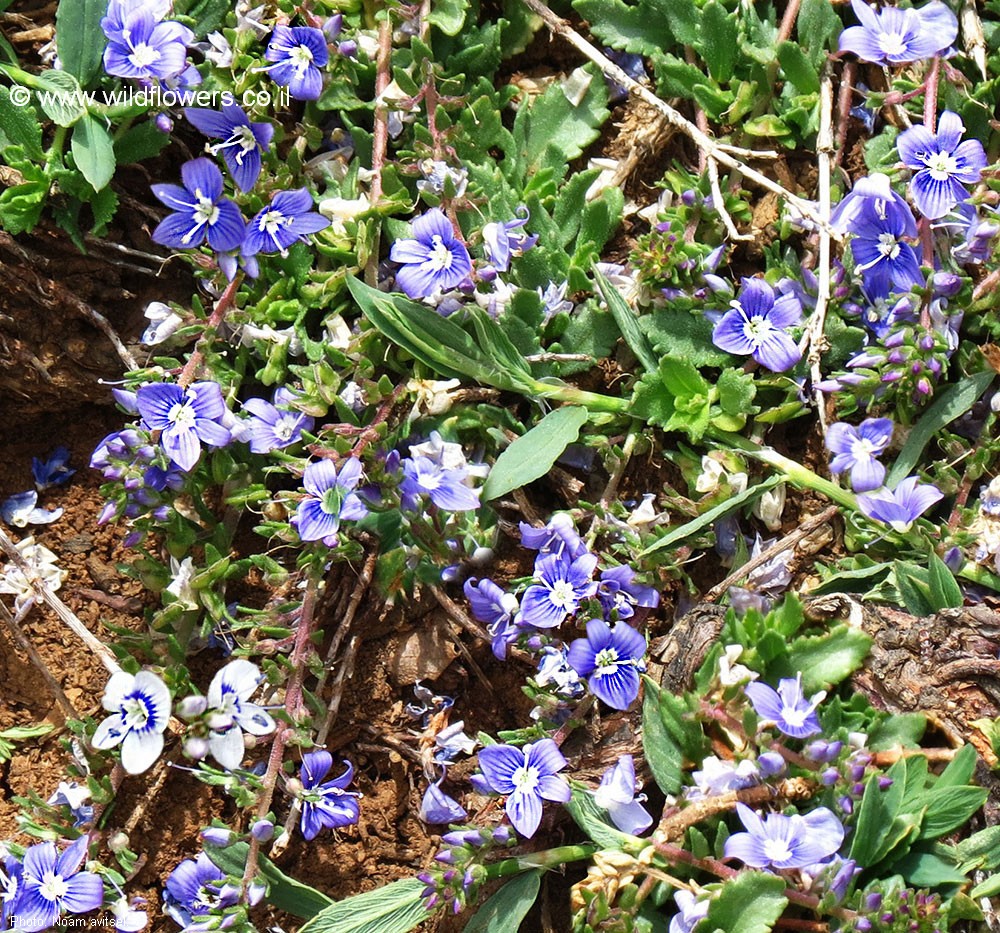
x=230 y=713
x=140 y=704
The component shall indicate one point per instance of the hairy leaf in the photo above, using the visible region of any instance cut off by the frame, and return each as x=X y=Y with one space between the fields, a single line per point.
x=397 y=907
x=80 y=40
x=751 y=902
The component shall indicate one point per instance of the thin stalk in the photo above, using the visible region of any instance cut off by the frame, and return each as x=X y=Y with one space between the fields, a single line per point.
x=549 y=858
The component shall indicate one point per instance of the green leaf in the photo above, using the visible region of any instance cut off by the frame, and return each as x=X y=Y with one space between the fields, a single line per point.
x=981 y=849
x=825 y=660
x=19 y=126
x=139 y=142
x=397 y=907
x=945 y=589
x=717 y=41
x=627 y=322
x=505 y=910
x=60 y=97
x=988 y=888
x=663 y=754
x=797 y=67
x=927 y=869
x=767 y=125
x=914 y=588
x=706 y=519
x=80 y=40
x=684 y=19
x=93 y=152
x=736 y=392
x=874 y=832
x=208 y=15
x=531 y=456
x=284 y=892
x=448 y=15
x=751 y=903
x=960 y=769
x=906 y=729
x=590 y=818
x=818 y=27
x=954 y=401
x=684 y=335
x=948 y=808
x=643 y=29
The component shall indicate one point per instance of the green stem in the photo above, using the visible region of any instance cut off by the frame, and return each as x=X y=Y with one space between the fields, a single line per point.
x=549 y=858
x=593 y=401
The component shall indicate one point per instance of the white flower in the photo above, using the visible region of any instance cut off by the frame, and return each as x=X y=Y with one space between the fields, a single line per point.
x=769 y=506
x=229 y=713
x=163 y=323
x=180 y=587
x=340 y=210
x=141 y=707
x=127 y=919
x=731 y=673
x=432 y=395
x=43 y=567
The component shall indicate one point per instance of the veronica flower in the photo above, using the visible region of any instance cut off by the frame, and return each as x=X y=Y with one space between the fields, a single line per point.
x=75 y=796
x=325 y=804
x=506 y=239
x=610 y=659
x=21 y=510
x=52 y=882
x=900 y=507
x=128 y=918
x=528 y=775
x=141 y=47
x=197 y=887
x=943 y=164
x=620 y=594
x=272 y=428
x=230 y=713
x=718 y=776
x=242 y=141
x=756 y=323
x=495 y=607
x=299 y=54
x=42 y=568
x=163 y=323
x=10 y=889
x=560 y=588
x=616 y=794
x=141 y=707
x=892 y=36
x=787 y=707
x=877 y=188
x=445 y=487
x=856 y=449
x=186 y=417
x=53 y=471
x=290 y=217
x=437 y=807
x=330 y=500
x=880 y=254
x=558 y=537
x=200 y=211
x=434 y=261
x=692 y=911
x=780 y=842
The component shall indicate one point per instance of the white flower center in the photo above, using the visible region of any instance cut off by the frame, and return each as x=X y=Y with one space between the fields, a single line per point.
x=525 y=778
x=888 y=245
x=301 y=57
x=207 y=211
x=272 y=220
x=756 y=330
x=52 y=887
x=144 y=55
x=892 y=43
x=181 y=415
x=777 y=850
x=942 y=165
x=794 y=717
x=563 y=595
x=440 y=257
x=331 y=500
x=135 y=712
x=863 y=449
x=606 y=661
x=285 y=426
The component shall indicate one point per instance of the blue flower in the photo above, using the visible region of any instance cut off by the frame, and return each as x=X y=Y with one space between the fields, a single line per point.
x=299 y=54
x=528 y=775
x=325 y=805
x=438 y=808
x=558 y=537
x=880 y=255
x=140 y=46
x=503 y=240
x=756 y=325
x=496 y=608
x=200 y=211
x=876 y=188
x=140 y=704
x=272 y=428
x=230 y=712
x=75 y=796
x=620 y=594
x=779 y=842
x=787 y=707
x=51 y=883
x=330 y=500
x=561 y=587
x=195 y=888
x=290 y=217
x=943 y=164
x=186 y=417
x=616 y=794
x=242 y=141
x=21 y=509
x=900 y=507
x=856 y=449
x=610 y=659
x=445 y=487
x=434 y=261
x=10 y=889
x=692 y=911
x=893 y=36
x=53 y=471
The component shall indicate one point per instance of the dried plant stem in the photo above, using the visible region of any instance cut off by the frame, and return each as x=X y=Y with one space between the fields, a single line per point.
x=65 y=614
x=227 y=300
x=782 y=544
x=380 y=138
x=13 y=623
x=844 y=110
x=720 y=203
x=711 y=148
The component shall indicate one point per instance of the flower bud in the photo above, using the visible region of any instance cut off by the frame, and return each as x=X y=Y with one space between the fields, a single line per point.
x=217 y=836
x=119 y=842
x=262 y=830
x=163 y=123
x=192 y=707
x=195 y=747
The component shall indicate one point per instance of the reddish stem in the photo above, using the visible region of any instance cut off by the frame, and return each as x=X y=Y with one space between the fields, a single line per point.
x=226 y=301
x=380 y=140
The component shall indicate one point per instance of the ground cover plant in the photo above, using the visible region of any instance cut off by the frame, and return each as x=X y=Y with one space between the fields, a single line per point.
x=628 y=367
